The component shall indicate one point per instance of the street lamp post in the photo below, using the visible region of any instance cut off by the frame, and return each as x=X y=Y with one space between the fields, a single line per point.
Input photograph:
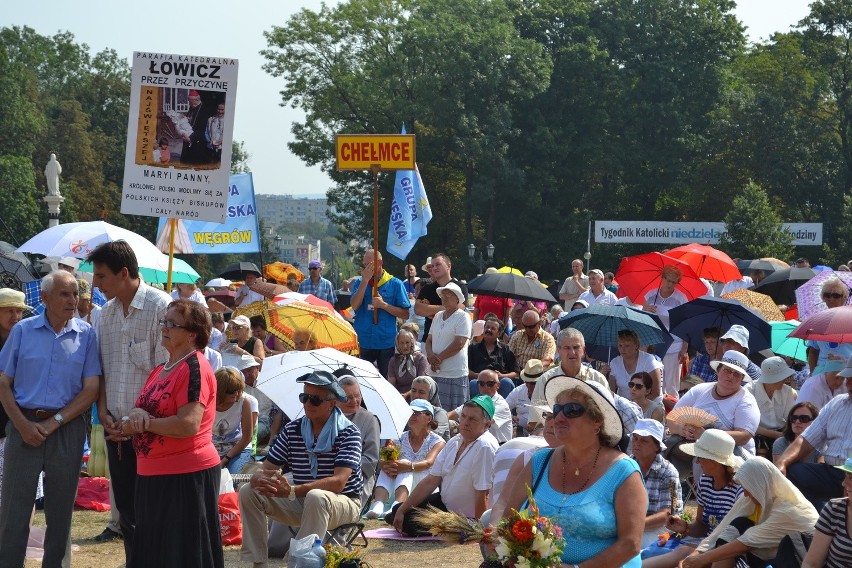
x=277 y=247
x=480 y=260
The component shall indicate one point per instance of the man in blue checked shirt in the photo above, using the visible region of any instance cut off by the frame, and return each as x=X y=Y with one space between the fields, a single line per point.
x=317 y=285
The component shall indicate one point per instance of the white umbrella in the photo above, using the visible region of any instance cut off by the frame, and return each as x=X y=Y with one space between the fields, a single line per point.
x=278 y=375
x=218 y=283
x=79 y=239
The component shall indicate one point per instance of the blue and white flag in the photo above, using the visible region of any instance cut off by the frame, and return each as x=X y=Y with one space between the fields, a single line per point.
x=410 y=213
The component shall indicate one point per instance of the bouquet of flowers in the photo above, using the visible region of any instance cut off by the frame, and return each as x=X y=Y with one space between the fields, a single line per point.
x=524 y=539
x=337 y=557
x=389 y=452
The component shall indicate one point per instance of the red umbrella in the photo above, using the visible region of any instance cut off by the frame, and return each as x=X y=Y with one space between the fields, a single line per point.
x=640 y=274
x=833 y=324
x=707 y=262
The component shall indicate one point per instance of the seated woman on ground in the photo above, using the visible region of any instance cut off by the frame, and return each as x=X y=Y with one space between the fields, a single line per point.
x=419 y=445
x=770 y=508
x=716 y=494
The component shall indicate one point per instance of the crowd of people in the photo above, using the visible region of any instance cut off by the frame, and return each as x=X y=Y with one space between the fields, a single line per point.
x=501 y=402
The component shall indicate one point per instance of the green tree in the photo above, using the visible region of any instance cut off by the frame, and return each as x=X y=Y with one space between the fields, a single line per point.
x=754 y=227
x=451 y=71
x=240 y=158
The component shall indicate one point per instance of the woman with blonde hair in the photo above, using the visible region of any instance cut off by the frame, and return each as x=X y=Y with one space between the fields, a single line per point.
x=593 y=491
x=234 y=424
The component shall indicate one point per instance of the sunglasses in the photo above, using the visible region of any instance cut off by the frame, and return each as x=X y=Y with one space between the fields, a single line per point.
x=636 y=385
x=312 y=398
x=487 y=383
x=569 y=409
x=803 y=418
x=314 y=268
x=832 y=295
x=532 y=326
x=423 y=412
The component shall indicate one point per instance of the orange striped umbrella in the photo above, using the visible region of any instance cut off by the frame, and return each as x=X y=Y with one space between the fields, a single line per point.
x=329 y=328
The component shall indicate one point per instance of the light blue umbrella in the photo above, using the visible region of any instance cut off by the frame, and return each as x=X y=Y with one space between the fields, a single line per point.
x=182 y=273
x=783 y=344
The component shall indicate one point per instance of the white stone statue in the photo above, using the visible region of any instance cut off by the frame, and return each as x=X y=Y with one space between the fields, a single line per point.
x=51 y=174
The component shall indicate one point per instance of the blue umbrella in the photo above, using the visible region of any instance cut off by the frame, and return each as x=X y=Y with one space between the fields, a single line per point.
x=688 y=321
x=783 y=344
x=600 y=325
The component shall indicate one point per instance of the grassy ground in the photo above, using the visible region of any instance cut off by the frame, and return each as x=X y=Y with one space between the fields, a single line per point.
x=379 y=554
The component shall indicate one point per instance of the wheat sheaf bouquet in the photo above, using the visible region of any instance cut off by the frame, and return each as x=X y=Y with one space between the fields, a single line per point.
x=522 y=540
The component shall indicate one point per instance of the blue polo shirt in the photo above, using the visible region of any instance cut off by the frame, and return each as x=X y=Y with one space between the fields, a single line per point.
x=383 y=334
x=48 y=368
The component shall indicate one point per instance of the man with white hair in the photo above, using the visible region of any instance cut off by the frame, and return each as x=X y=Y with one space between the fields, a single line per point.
x=597 y=294
x=49 y=375
x=571 y=346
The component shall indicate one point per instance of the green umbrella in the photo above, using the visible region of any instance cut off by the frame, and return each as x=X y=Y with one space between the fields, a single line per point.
x=783 y=344
x=182 y=273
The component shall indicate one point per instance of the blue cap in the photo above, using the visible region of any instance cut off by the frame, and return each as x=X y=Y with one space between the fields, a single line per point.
x=420 y=405
x=325 y=380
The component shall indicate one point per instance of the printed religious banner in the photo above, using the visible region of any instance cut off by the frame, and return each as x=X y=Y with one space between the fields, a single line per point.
x=179 y=133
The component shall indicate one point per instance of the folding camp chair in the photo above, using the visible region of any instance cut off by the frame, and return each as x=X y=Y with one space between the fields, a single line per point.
x=346 y=535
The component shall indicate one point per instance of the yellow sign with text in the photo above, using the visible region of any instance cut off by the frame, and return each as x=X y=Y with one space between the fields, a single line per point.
x=363 y=151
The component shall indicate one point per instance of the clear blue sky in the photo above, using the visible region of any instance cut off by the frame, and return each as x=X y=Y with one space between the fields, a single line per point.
x=234 y=29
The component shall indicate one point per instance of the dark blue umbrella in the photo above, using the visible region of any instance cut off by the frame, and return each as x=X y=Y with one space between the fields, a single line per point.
x=688 y=321
x=600 y=325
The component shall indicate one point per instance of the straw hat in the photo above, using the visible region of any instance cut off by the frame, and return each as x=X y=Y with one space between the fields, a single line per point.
x=532 y=371
x=613 y=427
x=10 y=298
x=733 y=360
x=714 y=445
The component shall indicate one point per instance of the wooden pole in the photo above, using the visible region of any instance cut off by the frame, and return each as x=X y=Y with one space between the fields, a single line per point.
x=173 y=230
x=375 y=169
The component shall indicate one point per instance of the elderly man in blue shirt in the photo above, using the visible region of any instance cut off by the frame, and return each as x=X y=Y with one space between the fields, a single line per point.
x=49 y=373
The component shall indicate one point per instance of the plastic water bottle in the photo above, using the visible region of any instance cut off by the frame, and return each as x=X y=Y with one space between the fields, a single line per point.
x=319 y=550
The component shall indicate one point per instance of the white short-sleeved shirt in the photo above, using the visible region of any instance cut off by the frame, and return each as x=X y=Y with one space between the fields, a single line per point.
x=470 y=473
x=663 y=306
x=738 y=412
x=606 y=297
x=816 y=391
x=444 y=332
x=647 y=363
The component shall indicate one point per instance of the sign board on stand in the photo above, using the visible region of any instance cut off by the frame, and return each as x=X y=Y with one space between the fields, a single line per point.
x=179 y=133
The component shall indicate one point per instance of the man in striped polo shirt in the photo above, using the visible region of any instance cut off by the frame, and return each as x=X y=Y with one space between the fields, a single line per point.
x=323 y=452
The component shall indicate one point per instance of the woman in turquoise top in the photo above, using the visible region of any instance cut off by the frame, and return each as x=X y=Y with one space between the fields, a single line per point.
x=593 y=491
